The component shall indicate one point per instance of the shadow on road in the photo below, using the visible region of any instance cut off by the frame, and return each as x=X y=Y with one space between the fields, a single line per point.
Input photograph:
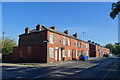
x=97 y=72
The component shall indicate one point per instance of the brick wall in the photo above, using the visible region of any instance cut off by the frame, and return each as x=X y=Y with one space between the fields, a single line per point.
x=32 y=48
x=58 y=43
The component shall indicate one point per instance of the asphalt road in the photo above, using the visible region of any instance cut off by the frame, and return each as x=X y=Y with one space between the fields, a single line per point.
x=101 y=68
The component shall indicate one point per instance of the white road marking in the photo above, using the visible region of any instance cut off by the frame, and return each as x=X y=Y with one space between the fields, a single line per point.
x=29 y=69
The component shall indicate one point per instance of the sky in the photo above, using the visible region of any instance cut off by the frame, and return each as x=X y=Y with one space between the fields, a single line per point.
x=90 y=17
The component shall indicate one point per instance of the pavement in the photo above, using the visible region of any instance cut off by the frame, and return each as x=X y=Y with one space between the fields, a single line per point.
x=42 y=64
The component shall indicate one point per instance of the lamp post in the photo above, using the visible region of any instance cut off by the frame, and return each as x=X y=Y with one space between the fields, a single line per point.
x=3 y=39
x=83 y=35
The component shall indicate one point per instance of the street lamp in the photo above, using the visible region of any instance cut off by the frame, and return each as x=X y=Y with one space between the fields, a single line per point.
x=83 y=35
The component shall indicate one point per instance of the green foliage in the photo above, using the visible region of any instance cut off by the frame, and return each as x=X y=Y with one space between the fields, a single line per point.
x=114 y=48
x=8 y=45
x=115 y=9
x=0 y=46
x=110 y=46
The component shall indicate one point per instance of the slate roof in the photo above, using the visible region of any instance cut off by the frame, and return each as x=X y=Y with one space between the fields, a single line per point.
x=55 y=31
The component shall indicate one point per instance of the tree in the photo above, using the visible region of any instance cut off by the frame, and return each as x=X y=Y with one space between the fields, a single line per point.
x=114 y=48
x=0 y=46
x=8 y=45
x=110 y=46
x=115 y=9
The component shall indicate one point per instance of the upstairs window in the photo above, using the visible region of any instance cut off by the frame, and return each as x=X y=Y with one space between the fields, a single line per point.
x=76 y=43
x=51 y=38
x=68 y=42
x=64 y=41
x=87 y=46
x=80 y=45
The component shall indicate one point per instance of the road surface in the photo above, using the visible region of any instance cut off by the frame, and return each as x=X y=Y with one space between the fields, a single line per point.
x=100 y=68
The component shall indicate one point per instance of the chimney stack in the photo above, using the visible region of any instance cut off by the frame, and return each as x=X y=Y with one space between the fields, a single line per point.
x=95 y=43
x=27 y=30
x=89 y=41
x=92 y=42
x=66 y=31
x=75 y=35
x=38 y=27
x=53 y=27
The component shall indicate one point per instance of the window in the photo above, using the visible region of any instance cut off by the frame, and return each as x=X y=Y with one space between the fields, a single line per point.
x=64 y=53
x=51 y=38
x=64 y=41
x=87 y=46
x=21 y=53
x=29 y=49
x=80 y=45
x=68 y=42
x=51 y=51
x=76 y=53
x=76 y=43
x=87 y=53
x=68 y=53
x=84 y=45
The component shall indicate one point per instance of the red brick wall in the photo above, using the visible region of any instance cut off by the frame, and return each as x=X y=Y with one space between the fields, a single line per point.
x=92 y=50
x=31 y=48
x=15 y=54
x=35 y=38
x=58 y=42
x=97 y=51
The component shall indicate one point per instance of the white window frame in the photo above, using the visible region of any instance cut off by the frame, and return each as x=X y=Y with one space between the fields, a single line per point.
x=69 y=53
x=51 y=38
x=76 y=43
x=51 y=54
x=87 y=53
x=64 y=41
x=76 y=53
x=68 y=42
x=64 y=53
x=87 y=46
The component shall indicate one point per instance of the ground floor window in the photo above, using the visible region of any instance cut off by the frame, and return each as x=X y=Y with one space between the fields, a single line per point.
x=51 y=52
x=86 y=52
x=64 y=53
x=68 y=53
x=76 y=53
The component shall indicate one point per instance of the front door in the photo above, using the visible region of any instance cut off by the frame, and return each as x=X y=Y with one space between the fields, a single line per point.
x=60 y=56
x=57 y=55
x=73 y=55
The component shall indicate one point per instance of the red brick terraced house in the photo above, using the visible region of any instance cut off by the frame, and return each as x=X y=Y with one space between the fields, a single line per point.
x=96 y=50
x=45 y=44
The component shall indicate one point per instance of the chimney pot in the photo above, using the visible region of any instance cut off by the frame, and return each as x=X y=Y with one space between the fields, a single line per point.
x=66 y=31
x=75 y=35
x=53 y=27
x=93 y=42
x=89 y=41
x=27 y=30
x=38 y=27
